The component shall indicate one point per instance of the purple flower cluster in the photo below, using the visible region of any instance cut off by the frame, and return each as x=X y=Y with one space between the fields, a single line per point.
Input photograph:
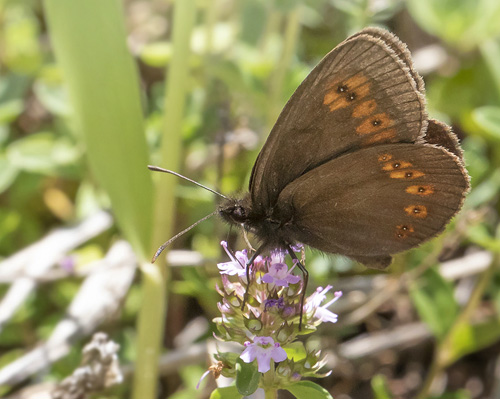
x=265 y=320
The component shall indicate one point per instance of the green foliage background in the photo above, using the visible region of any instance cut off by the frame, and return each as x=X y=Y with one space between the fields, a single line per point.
x=91 y=92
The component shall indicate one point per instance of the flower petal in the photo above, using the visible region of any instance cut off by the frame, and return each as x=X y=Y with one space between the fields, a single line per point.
x=264 y=360
x=249 y=354
x=278 y=354
x=292 y=279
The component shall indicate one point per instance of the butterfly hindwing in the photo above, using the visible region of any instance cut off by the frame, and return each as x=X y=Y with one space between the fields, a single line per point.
x=377 y=201
x=440 y=134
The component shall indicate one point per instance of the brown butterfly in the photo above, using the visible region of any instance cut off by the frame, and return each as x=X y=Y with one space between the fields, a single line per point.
x=353 y=165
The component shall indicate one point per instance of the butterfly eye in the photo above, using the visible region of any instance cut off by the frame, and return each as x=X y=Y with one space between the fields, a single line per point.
x=351 y=97
x=421 y=190
x=408 y=174
x=376 y=122
x=397 y=165
x=239 y=212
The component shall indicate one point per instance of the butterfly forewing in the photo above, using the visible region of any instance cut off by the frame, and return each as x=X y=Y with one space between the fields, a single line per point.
x=376 y=201
x=399 y=49
x=360 y=95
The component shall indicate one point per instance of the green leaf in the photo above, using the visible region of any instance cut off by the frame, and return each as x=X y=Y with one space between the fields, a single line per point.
x=157 y=54
x=308 y=390
x=484 y=192
x=42 y=153
x=53 y=96
x=295 y=351
x=468 y=338
x=90 y=44
x=247 y=377
x=461 y=394
x=21 y=50
x=10 y=110
x=488 y=118
x=225 y=393
x=464 y=23
x=434 y=301
x=8 y=173
x=380 y=389
x=490 y=51
x=481 y=235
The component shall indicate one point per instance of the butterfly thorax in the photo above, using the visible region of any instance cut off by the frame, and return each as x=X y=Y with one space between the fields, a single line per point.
x=271 y=228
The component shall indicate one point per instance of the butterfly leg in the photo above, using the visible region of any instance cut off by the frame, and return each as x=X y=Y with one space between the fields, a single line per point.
x=304 y=286
x=247 y=266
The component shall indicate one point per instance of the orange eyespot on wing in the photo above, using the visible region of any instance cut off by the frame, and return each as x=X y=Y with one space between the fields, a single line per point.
x=404 y=231
x=342 y=94
x=396 y=165
x=374 y=124
x=422 y=189
x=416 y=211
x=384 y=157
x=406 y=174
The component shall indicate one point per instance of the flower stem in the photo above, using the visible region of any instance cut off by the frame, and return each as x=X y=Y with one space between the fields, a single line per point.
x=268 y=383
x=271 y=393
x=155 y=278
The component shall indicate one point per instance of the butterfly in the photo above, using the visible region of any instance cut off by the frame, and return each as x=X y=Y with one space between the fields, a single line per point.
x=353 y=165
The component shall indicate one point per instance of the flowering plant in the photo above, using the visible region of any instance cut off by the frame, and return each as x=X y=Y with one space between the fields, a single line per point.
x=264 y=316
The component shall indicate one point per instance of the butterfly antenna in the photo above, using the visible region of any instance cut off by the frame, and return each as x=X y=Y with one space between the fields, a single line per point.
x=158 y=169
x=167 y=243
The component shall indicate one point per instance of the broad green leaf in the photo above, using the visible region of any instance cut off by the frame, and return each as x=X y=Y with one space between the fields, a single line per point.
x=226 y=393
x=308 y=390
x=380 y=388
x=434 y=301
x=247 y=377
x=90 y=44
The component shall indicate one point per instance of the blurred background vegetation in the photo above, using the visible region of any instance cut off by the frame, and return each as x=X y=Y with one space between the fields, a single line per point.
x=91 y=92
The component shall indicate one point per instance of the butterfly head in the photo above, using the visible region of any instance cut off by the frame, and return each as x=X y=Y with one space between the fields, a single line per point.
x=235 y=211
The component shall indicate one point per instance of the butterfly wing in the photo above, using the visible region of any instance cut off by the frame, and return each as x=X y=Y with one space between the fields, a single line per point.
x=440 y=134
x=399 y=49
x=363 y=93
x=375 y=202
